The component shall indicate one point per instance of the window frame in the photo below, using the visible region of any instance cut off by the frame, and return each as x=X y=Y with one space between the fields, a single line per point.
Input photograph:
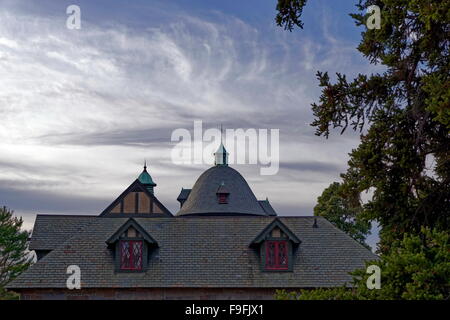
x=222 y=198
x=130 y=251
x=118 y=255
x=264 y=255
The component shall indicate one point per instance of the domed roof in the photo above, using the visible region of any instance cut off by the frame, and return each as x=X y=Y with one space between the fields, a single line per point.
x=203 y=197
x=146 y=179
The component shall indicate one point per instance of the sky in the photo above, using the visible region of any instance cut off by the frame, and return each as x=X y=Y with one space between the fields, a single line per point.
x=80 y=110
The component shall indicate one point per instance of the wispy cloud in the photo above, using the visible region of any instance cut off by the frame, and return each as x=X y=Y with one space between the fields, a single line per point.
x=81 y=109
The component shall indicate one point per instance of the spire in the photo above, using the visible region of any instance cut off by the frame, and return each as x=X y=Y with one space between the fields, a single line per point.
x=221 y=155
x=146 y=179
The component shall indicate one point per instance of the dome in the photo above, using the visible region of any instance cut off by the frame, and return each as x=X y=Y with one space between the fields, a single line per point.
x=145 y=178
x=203 y=197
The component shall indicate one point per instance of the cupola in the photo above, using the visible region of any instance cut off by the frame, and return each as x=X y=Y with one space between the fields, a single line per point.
x=221 y=156
x=146 y=179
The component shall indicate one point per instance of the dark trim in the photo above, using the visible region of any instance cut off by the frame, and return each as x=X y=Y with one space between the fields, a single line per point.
x=136 y=202
x=265 y=234
x=65 y=215
x=131 y=223
x=137 y=215
x=223 y=214
x=152 y=208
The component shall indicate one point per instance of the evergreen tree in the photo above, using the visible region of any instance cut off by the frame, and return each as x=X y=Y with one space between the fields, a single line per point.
x=416 y=268
x=404 y=157
x=14 y=255
x=333 y=206
x=404 y=154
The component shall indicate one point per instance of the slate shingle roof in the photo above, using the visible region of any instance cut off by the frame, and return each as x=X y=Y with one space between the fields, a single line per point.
x=267 y=207
x=203 y=198
x=50 y=231
x=184 y=194
x=193 y=252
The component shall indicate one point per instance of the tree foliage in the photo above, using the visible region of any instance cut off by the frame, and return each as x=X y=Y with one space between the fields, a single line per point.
x=289 y=13
x=14 y=256
x=404 y=154
x=416 y=268
x=343 y=213
x=403 y=114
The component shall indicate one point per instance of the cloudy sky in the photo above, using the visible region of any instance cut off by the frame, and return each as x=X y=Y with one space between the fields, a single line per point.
x=80 y=110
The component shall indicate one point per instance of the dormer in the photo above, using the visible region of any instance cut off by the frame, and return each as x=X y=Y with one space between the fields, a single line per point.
x=132 y=246
x=138 y=200
x=222 y=194
x=276 y=245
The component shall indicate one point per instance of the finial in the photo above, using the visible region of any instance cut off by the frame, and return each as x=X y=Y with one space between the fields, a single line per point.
x=145 y=164
x=315 y=223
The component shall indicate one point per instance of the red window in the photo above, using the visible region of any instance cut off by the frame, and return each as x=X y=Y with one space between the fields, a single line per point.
x=276 y=255
x=222 y=197
x=131 y=255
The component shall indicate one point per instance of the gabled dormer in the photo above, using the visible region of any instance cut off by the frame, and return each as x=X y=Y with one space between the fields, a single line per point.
x=132 y=246
x=276 y=245
x=138 y=200
x=222 y=194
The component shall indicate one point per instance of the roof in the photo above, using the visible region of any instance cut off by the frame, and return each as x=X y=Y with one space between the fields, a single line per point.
x=184 y=194
x=145 y=178
x=203 y=198
x=197 y=252
x=267 y=207
x=222 y=189
x=139 y=187
x=51 y=230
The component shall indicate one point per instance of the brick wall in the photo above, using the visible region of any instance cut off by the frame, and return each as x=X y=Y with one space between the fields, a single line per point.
x=147 y=294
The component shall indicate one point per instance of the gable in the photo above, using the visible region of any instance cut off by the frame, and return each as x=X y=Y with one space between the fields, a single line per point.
x=131 y=229
x=276 y=229
x=136 y=200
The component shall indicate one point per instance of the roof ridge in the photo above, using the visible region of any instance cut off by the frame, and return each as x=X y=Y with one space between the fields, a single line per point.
x=65 y=215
